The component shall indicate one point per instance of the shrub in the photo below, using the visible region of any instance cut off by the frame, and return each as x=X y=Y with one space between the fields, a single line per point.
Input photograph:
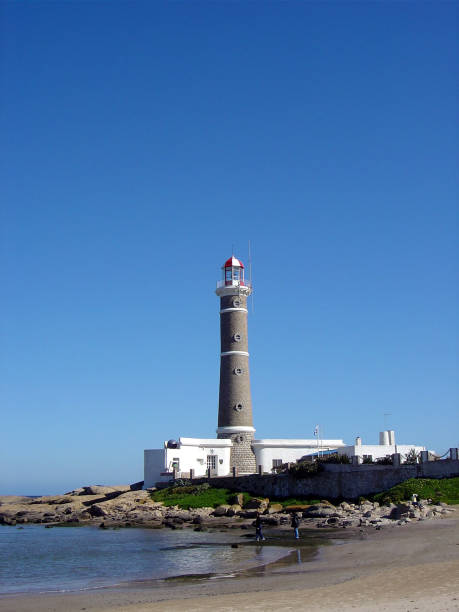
x=412 y=457
x=335 y=458
x=384 y=461
x=305 y=468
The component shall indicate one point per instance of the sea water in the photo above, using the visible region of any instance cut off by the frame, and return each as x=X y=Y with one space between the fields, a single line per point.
x=36 y=559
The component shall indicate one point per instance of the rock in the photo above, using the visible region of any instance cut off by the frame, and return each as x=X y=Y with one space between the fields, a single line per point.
x=297 y=508
x=237 y=498
x=15 y=499
x=221 y=510
x=53 y=499
x=345 y=506
x=97 y=490
x=319 y=511
x=274 y=508
x=79 y=491
x=257 y=504
x=272 y=520
x=248 y=514
x=98 y=510
x=351 y=523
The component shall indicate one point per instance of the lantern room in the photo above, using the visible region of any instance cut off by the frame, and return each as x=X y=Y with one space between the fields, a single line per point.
x=233 y=272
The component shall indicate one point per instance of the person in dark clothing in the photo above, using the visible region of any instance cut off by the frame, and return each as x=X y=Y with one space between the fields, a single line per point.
x=295 y=524
x=258 y=529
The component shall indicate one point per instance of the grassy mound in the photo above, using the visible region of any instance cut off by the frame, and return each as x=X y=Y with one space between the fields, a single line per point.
x=198 y=496
x=444 y=490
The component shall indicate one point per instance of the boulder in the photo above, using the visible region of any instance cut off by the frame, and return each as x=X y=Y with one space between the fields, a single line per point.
x=257 y=504
x=97 y=490
x=237 y=498
x=248 y=513
x=274 y=508
x=320 y=511
x=53 y=499
x=98 y=510
x=221 y=510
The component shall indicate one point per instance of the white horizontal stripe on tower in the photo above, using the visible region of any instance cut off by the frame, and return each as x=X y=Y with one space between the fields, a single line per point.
x=234 y=353
x=232 y=310
x=235 y=428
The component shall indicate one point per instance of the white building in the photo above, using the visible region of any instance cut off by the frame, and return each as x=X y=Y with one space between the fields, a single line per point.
x=272 y=453
x=386 y=447
x=178 y=458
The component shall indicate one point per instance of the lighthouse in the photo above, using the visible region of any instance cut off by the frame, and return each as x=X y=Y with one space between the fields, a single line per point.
x=235 y=403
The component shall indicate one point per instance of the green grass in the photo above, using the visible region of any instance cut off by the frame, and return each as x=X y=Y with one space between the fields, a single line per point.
x=445 y=490
x=197 y=496
x=293 y=501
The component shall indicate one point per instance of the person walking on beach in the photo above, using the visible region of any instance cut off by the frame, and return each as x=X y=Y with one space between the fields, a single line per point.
x=295 y=524
x=258 y=529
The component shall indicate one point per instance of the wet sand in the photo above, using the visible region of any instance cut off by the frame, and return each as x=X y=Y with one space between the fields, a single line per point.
x=411 y=567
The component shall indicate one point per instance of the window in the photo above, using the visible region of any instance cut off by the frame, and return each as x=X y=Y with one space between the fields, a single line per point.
x=176 y=463
x=237 y=337
x=238 y=407
x=211 y=462
x=238 y=371
x=277 y=462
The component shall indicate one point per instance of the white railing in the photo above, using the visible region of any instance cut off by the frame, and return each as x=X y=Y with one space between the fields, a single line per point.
x=233 y=283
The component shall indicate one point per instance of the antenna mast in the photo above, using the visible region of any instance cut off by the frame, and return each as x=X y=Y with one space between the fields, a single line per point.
x=250 y=276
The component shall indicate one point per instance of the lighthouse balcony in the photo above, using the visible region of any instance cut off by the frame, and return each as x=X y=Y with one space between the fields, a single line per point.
x=234 y=283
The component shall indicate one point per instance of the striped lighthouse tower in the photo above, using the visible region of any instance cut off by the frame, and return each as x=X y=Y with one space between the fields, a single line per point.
x=235 y=403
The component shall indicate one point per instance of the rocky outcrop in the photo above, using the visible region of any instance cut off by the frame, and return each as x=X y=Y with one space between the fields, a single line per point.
x=126 y=506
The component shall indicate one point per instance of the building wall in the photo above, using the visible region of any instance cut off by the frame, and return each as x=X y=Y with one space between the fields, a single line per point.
x=159 y=463
x=338 y=481
x=379 y=450
x=288 y=450
x=153 y=465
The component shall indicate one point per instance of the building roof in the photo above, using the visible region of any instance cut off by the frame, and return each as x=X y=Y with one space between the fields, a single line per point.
x=233 y=262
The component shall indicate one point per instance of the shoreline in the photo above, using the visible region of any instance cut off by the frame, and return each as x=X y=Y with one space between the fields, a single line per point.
x=408 y=568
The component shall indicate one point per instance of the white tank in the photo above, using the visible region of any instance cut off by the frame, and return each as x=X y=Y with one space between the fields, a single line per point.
x=391 y=437
x=384 y=438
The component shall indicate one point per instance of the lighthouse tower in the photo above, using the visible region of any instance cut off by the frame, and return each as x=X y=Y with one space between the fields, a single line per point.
x=235 y=403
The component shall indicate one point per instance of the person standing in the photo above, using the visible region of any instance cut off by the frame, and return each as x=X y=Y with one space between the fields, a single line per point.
x=258 y=529
x=295 y=524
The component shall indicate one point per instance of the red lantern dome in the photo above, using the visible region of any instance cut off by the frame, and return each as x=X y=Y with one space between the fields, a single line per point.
x=232 y=262
x=233 y=272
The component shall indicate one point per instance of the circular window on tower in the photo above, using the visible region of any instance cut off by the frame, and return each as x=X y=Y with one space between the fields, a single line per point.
x=236 y=302
x=238 y=371
x=237 y=337
x=239 y=439
x=238 y=407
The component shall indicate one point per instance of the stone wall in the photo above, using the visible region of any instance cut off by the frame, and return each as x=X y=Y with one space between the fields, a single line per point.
x=337 y=480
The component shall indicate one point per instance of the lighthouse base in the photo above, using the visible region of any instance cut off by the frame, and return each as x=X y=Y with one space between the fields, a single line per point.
x=242 y=455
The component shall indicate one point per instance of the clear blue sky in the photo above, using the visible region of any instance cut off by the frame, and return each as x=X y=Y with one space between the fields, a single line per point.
x=140 y=140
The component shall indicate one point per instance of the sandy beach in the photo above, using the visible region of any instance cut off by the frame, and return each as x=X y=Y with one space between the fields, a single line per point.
x=412 y=567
